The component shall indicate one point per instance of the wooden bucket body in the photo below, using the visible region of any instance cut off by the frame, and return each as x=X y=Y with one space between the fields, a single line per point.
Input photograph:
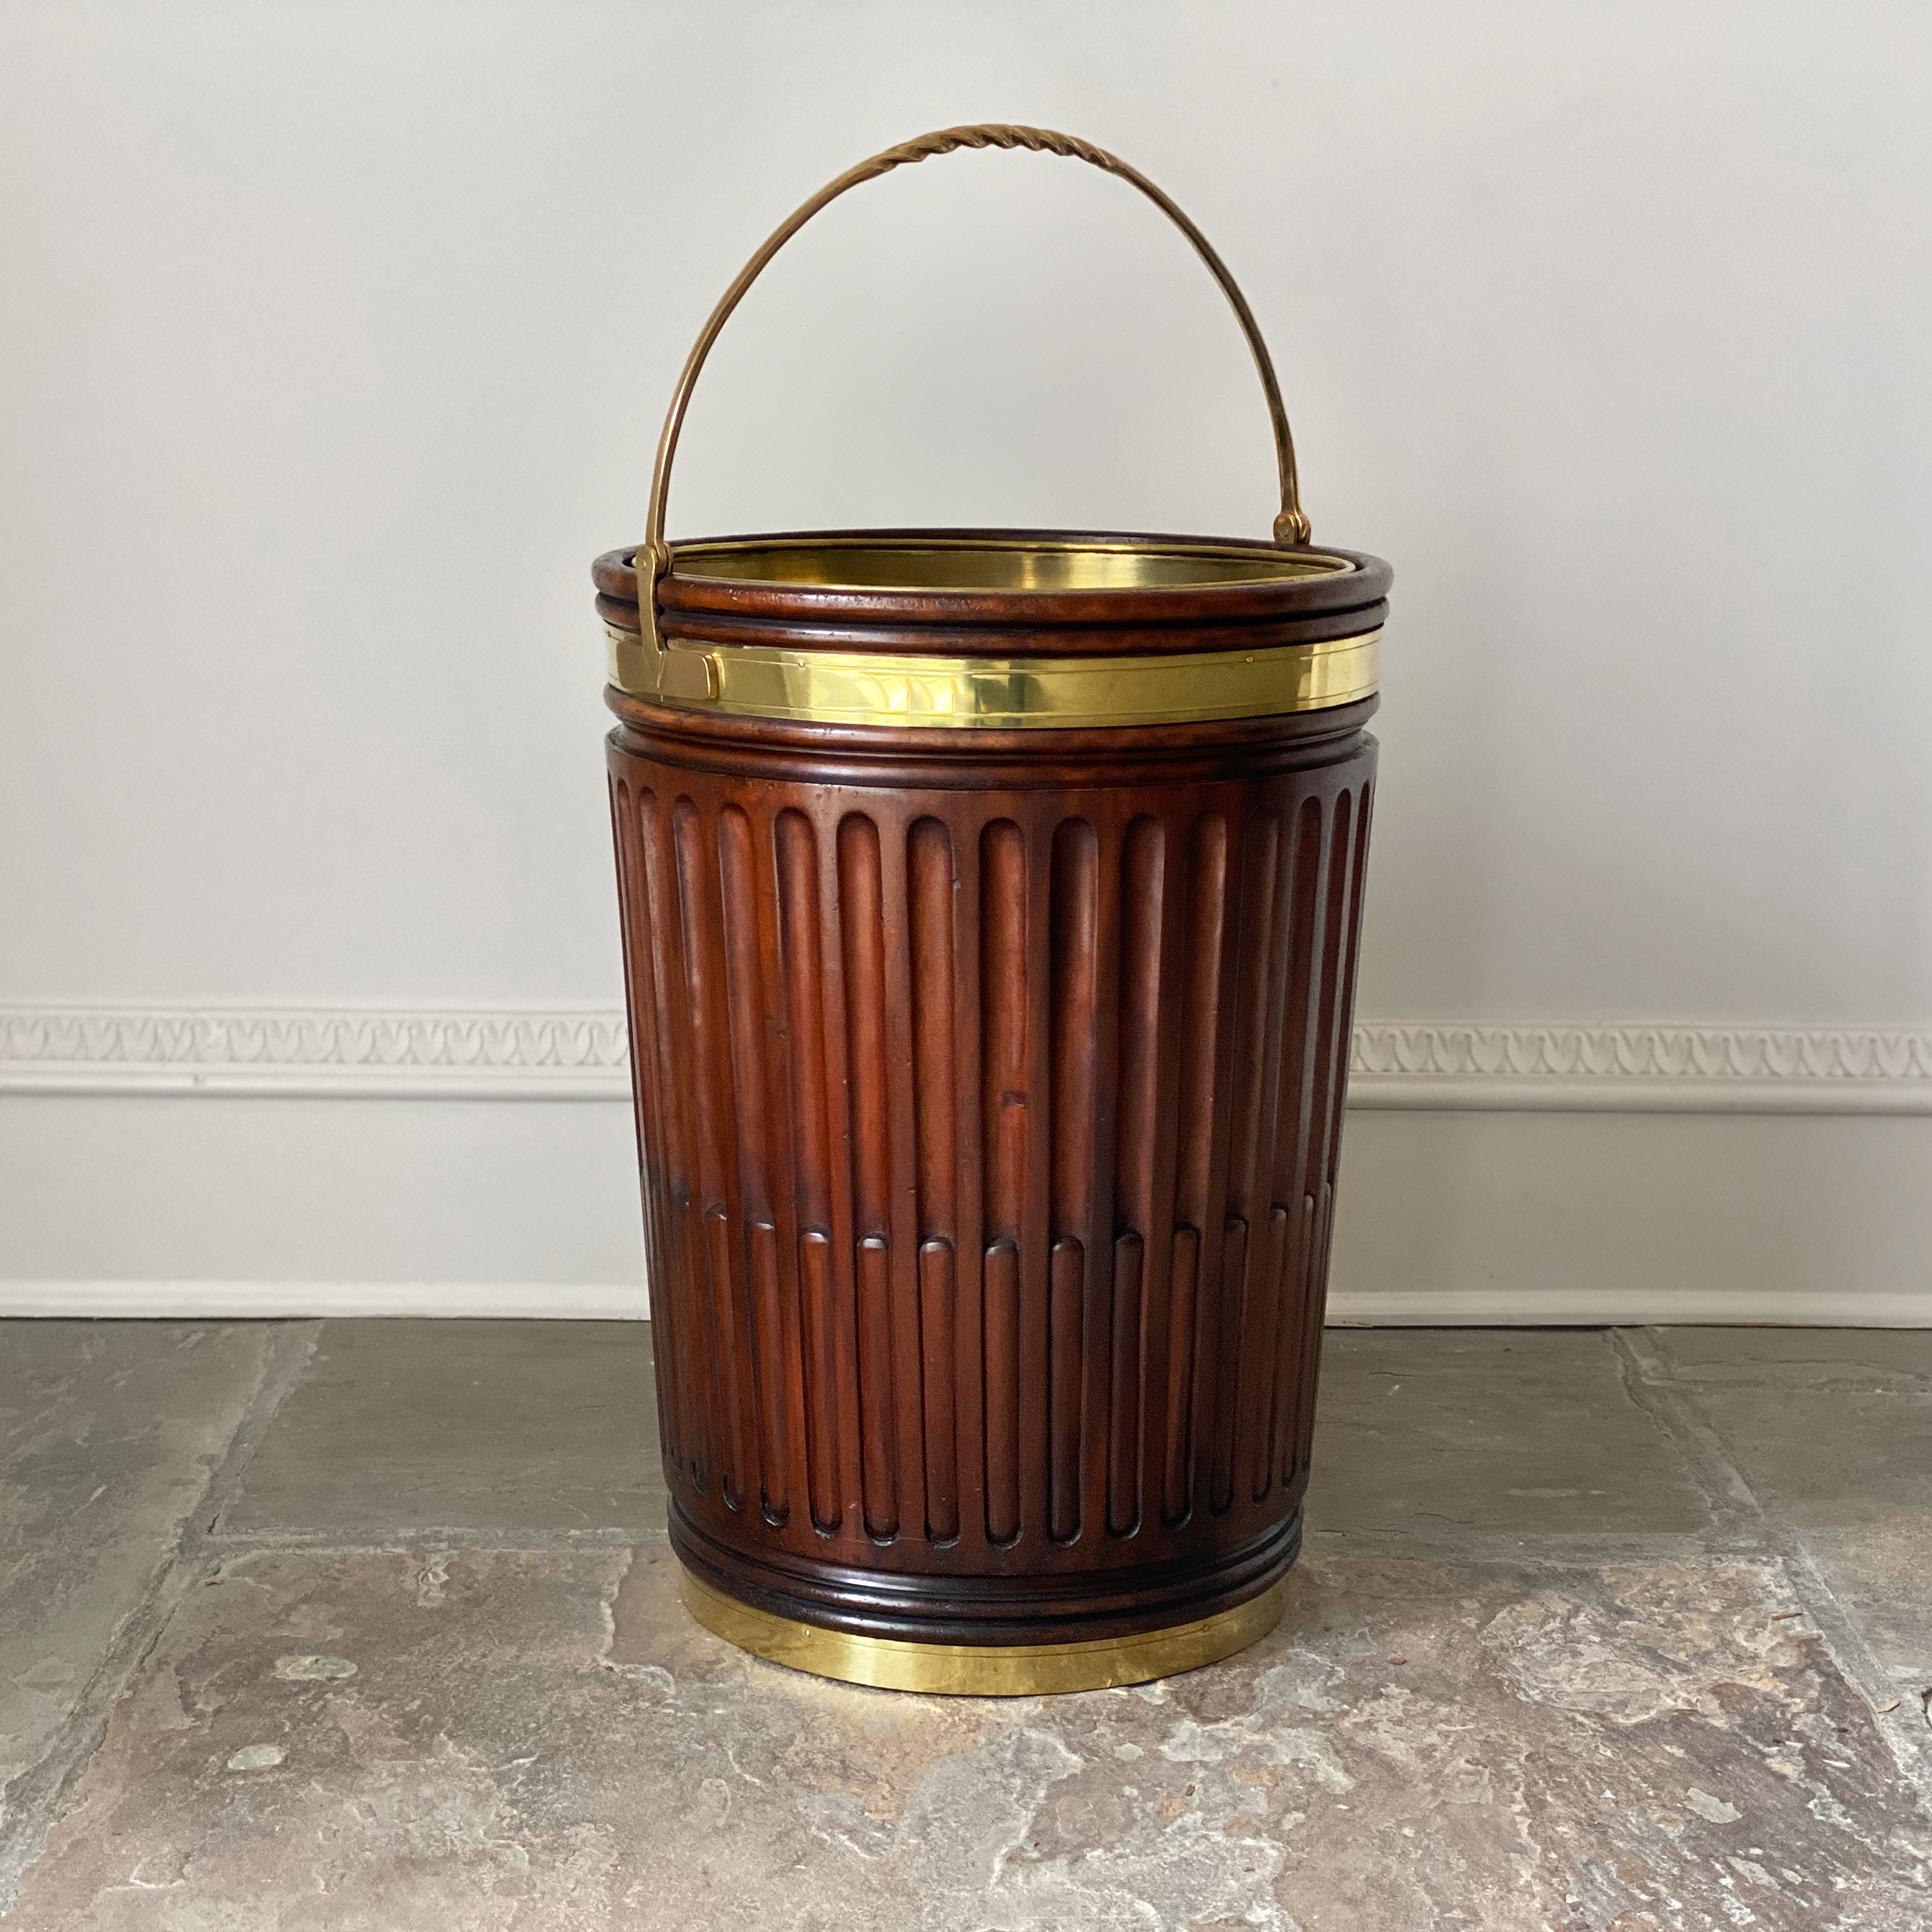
x=989 y=1090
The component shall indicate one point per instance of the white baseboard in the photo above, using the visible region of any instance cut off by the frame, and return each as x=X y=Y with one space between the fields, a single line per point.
x=608 y=1301
x=583 y=1301
x=535 y=1052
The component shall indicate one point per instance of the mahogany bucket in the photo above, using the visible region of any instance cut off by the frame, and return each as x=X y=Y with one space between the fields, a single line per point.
x=990 y=904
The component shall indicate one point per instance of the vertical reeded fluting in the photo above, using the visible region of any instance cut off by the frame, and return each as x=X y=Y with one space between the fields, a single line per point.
x=989 y=1147
x=1073 y=1035
x=795 y=961
x=1004 y=1102
x=862 y=948
x=1141 y=1043
x=932 y=985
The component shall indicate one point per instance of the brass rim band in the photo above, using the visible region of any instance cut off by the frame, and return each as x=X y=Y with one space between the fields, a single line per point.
x=1005 y=694
x=985 y=1670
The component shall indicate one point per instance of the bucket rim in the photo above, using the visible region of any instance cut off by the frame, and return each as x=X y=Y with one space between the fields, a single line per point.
x=1003 y=576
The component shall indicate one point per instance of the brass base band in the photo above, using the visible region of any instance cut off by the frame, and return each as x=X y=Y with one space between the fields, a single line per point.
x=985 y=1670
x=1005 y=694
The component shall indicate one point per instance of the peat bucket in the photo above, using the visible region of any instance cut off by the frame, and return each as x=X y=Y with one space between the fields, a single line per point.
x=990 y=902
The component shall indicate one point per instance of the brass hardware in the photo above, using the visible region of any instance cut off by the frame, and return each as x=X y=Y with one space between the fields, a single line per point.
x=994 y=693
x=938 y=561
x=654 y=555
x=985 y=1670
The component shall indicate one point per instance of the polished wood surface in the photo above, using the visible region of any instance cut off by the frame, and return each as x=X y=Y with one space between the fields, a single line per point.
x=989 y=1093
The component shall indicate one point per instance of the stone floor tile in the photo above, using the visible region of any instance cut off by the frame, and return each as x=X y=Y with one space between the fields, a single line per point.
x=1879 y=1574
x=1829 y=1356
x=1830 y=1458
x=1481 y=1431
x=495 y=1427
x=109 y=1432
x=541 y=1742
x=1837 y=1447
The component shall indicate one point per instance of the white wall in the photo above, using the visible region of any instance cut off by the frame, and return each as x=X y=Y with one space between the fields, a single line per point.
x=333 y=342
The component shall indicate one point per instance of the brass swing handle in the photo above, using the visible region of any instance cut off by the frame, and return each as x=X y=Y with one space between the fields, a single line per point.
x=654 y=555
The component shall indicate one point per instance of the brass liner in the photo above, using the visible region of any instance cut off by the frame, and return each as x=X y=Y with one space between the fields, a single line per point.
x=986 y=562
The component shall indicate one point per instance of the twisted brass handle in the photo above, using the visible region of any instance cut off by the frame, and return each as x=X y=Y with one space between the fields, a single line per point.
x=654 y=556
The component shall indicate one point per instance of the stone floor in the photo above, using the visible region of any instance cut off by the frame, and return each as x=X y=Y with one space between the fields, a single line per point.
x=372 y=1626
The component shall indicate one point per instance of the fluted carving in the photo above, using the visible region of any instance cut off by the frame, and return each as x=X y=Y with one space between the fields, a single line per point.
x=990 y=1152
